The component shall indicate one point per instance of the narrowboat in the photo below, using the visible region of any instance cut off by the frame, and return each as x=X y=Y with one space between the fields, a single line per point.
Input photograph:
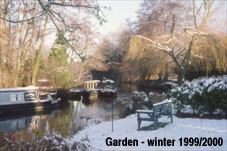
x=94 y=89
x=107 y=89
x=76 y=93
x=86 y=91
x=102 y=88
x=17 y=100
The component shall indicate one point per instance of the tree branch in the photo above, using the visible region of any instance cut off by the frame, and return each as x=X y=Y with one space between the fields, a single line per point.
x=73 y=49
x=72 y=5
x=21 y=21
x=156 y=45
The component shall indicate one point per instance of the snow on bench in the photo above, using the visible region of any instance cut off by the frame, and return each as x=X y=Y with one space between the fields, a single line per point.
x=159 y=109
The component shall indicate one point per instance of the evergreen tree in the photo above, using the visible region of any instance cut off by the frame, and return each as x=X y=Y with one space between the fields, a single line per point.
x=60 y=76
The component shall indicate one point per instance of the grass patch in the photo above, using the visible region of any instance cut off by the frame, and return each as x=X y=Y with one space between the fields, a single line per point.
x=151 y=127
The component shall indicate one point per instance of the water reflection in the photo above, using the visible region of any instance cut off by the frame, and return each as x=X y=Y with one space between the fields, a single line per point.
x=17 y=123
x=93 y=113
x=71 y=117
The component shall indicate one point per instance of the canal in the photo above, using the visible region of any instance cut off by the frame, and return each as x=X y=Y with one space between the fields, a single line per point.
x=67 y=120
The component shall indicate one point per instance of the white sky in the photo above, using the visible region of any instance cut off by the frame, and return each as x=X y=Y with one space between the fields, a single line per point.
x=120 y=10
x=123 y=9
x=126 y=9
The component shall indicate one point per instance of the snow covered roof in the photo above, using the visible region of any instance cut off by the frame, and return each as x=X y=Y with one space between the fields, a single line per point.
x=108 y=80
x=95 y=81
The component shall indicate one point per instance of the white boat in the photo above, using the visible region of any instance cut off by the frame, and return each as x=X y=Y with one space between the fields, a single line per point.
x=17 y=100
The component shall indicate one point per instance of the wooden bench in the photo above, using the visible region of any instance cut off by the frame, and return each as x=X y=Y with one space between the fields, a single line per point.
x=159 y=109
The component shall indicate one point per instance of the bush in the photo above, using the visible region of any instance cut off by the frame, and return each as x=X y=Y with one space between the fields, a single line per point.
x=203 y=95
x=139 y=101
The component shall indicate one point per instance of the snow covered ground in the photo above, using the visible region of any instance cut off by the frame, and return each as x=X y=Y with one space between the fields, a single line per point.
x=95 y=135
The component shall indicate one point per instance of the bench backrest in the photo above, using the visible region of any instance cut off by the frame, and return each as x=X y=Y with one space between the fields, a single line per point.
x=162 y=108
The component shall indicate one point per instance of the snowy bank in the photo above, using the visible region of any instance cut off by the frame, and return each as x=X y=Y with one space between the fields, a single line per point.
x=95 y=136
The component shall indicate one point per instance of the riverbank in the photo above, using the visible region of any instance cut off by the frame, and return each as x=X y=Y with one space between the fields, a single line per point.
x=95 y=137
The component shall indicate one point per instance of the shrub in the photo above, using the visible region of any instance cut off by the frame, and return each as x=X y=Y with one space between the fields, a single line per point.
x=203 y=95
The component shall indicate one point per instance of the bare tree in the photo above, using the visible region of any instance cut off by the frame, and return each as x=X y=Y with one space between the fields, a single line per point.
x=26 y=21
x=180 y=56
x=156 y=19
x=202 y=13
x=179 y=45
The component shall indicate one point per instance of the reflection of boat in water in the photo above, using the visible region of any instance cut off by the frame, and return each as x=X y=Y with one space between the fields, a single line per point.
x=94 y=89
x=16 y=123
x=18 y=100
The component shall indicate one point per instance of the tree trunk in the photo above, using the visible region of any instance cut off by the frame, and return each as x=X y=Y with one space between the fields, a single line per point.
x=181 y=75
x=20 y=49
x=2 y=28
x=37 y=61
x=29 y=46
x=160 y=76
x=166 y=73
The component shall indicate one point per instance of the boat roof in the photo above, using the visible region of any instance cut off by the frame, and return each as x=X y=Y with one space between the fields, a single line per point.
x=92 y=81
x=19 y=89
x=108 y=80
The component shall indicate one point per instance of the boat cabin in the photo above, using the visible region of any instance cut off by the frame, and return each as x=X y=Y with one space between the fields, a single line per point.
x=97 y=84
x=107 y=84
x=91 y=85
x=19 y=95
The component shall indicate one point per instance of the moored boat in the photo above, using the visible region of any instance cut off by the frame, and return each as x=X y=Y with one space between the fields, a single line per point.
x=94 y=89
x=16 y=100
x=107 y=89
x=77 y=92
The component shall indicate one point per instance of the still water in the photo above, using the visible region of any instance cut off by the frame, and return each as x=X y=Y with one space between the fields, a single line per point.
x=66 y=120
